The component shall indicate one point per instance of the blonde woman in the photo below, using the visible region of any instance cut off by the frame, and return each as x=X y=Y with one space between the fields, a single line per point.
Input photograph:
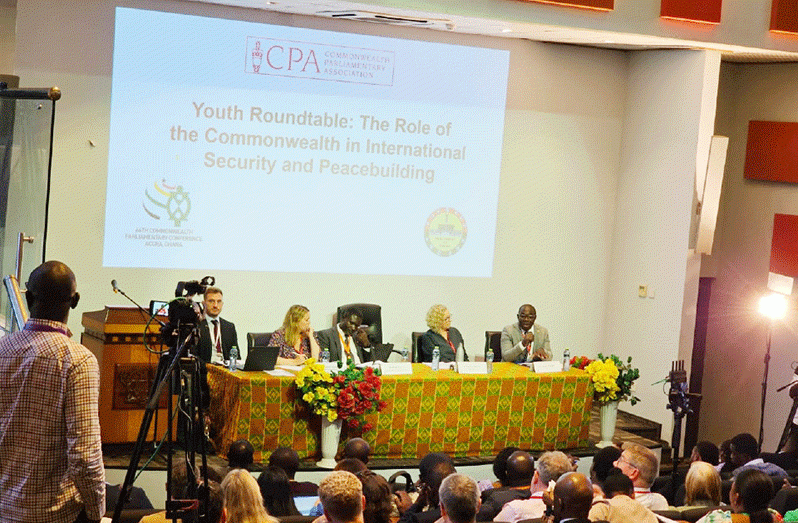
x=702 y=486
x=243 y=502
x=441 y=334
x=296 y=338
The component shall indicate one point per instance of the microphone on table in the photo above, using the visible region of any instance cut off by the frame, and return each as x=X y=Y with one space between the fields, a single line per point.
x=142 y=309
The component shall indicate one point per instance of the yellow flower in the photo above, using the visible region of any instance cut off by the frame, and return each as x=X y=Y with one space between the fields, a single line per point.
x=332 y=415
x=308 y=397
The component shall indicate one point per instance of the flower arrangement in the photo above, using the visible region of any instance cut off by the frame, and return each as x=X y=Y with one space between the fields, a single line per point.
x=348 y=395
x=580 y=362
x=612 y=379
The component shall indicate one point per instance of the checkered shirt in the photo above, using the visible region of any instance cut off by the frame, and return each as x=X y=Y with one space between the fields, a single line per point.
x=51 y=463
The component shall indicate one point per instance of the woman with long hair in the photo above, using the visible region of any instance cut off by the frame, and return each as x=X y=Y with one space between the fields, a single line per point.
x=276 y=491
x=750 y=495
x=243 y=502
x=296 y=338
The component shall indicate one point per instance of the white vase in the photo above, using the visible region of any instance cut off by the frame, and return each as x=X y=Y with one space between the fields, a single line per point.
x=330 y=435
x=608 y=416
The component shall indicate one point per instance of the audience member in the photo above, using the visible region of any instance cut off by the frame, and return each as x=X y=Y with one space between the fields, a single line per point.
x=353 y=465
x=239 y=455
x=499 y=470
x=572 y=499
x=524 y=340
x=215 y=501
x=51 y=453
x=520 y=470
x=243 y=502
x=177 y=487
x=705 y=451
x=356 y=448
x=641 y=466
x=603 y=465
x=379 y=499
x=620 y=505
x=441 y=334
x=459 y=499
x=296 y=338
x=702 y=485
x=550 y=466
x=341 y=495
x=287 y=459
x=745 y=455
x=750 y=495
x=725 y=467
x=276 y=491
x=433 y=468
x=137 y=499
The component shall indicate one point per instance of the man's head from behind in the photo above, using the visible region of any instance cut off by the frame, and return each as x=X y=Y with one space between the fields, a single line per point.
x=341 y=495
x=618 y=484
x=239 y=456
x=551 y=465
x=573 y=496
x=459 y=498
x=356 y=448
x=51 y=291
x=520 y=469
x=432 y=478
x=500 y=464
x=287 y=459
x=639 y=464
x=743 y=448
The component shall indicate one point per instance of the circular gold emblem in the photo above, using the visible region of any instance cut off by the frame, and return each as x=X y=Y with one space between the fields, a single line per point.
x=445 y=231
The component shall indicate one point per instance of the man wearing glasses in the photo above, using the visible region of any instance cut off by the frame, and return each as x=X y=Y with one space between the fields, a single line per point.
x=525 y=341
x=641 y=466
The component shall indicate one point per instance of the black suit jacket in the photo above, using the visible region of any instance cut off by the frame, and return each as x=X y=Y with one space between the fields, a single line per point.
x=329 y=339
x=430 y=339
x=229 y=339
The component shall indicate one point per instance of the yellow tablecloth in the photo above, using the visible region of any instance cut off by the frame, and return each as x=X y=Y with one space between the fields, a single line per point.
x=462 y=415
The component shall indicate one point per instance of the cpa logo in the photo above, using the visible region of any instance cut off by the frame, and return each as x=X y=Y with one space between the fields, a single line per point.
x=173 y=201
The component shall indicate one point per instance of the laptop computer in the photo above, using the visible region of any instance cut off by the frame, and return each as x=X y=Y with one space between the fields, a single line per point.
x=261 y=358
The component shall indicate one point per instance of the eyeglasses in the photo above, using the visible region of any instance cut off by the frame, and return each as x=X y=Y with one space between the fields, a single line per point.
x=621 y=459
x=527 y=316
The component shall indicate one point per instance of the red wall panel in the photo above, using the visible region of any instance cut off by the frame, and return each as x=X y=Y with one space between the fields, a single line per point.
x=784 y=247
x=772 y=151
x=784 y=16
x=695 y=10
x=604 y=5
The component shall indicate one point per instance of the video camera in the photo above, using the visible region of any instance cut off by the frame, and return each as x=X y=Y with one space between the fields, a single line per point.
x=184 y=313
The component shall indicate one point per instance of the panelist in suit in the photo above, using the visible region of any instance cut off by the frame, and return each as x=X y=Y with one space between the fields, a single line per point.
x=296 y=338
x=441 y=334
x=217 y=335
x=525 y=340
x=340 y=341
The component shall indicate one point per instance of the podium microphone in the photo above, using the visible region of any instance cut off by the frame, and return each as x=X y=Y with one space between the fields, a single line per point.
x=131 y=300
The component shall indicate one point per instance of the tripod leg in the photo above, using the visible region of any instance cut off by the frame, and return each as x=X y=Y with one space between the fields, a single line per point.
x=788 y=427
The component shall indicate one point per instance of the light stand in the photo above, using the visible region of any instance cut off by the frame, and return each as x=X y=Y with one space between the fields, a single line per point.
x=774 y=307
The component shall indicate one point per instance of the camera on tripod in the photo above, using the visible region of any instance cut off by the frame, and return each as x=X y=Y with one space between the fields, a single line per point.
x=185 y=313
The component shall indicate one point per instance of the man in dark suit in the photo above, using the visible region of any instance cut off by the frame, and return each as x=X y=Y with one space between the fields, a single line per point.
x=217 y=335
x=339 y=339
x=573 y=496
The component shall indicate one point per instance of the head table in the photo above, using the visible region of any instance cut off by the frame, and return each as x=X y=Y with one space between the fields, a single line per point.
x=428 y=411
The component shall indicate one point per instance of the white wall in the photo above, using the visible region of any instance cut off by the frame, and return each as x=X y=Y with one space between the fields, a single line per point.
x=737 y=334
x=571 y=239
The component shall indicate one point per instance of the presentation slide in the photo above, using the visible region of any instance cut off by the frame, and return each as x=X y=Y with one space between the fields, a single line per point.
x=245 y=146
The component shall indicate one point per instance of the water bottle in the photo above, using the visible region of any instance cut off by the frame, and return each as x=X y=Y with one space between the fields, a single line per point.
x=489 y=360
x=405 y=354
x=436 y=358
x=325 y=355
x=566 y=360
x=231 y=362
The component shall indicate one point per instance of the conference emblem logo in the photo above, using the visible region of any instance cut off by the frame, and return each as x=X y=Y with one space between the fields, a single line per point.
x=445 y=231
x=167 y=202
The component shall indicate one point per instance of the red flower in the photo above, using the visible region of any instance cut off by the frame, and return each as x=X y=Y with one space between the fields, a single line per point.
x=367 y=427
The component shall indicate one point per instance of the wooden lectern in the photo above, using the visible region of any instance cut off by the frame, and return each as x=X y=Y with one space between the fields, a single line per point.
x=116 y=337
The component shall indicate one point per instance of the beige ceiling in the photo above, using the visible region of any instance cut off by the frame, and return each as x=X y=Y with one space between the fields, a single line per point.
x=482 y=26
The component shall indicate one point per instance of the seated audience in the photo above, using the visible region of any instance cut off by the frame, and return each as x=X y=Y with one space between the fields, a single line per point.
x=242 y=502
x=520 y=470
x=296 y=338
x=725 y=466
x=550 y=467
x=459 y=497
x=378 y=496
x=641 y=466
x=239 y=455
x=441 y=334
x=745 y=455
x=433 y=468
x=287 y=459
x=572 y=498
x=136 y=500
x=499 y=470
x=620 y=505
x=750 y=495
x=705 y=451
x=341 y=495
x=276 y=491
x=215 y=501
x=353 y=465
x=356 y=448
x=701 y=486
x=603 y=465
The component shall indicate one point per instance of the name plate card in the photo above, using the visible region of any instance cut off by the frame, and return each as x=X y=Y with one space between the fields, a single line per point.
x=544 y=367
x=396 y=368
x=472 y=367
